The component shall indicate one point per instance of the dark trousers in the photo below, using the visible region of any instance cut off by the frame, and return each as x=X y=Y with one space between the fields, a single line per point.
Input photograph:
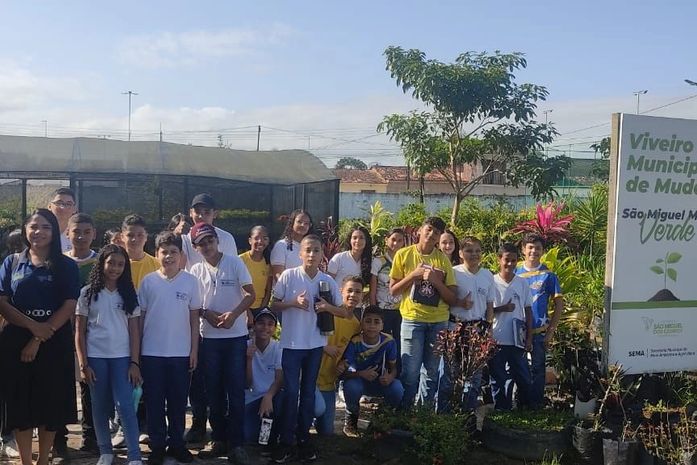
x=300 y=370
x=85 y=422
x=224 y=367
x=502 y=381
x=166 y=384
x=198 y=398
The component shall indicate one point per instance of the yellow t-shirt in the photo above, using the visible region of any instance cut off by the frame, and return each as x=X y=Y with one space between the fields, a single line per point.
x=344 y=330
x=405 y=261
x=260 y=272
x=139 y=268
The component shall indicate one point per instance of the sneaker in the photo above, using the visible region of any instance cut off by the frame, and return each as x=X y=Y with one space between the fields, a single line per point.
x=351 y=425
x=196 y=434
x=267 y=451
x=119 y=440
x=135 y=462
x=239 y=456
x=9 y=449
x=143 y=438
x=105 y=459
x=113 y=426
x=218 y=449
x=157 y=457
x=282 y=454
x=307 y=452
x=180 y=454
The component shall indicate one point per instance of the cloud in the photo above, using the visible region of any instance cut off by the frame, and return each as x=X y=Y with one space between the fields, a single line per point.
x=22 y=89
x=170 y=49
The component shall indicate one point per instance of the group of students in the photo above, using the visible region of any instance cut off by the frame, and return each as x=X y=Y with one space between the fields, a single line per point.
x=197 y=322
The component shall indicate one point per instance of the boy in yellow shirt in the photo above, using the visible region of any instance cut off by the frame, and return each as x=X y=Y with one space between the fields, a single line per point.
x=344 y=330
x=423 y=276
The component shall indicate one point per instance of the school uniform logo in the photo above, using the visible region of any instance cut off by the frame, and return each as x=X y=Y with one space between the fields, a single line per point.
x=226 y=282
x=182 y=296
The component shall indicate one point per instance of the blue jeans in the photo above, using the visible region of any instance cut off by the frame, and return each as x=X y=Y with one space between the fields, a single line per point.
x=252 y=420
x=324 y=424
x=113 y=388
x=355 y=388
x=418 y=341
x=166 y=385
x=539 y=357
x=300 y=370
x=197 y=394
x=502 y=383
x=224 y=366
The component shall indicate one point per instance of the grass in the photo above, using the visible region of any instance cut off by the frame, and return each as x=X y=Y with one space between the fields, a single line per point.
x=532 y=420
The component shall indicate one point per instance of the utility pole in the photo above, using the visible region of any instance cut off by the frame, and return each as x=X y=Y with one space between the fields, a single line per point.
x=130 y=94
x=45 y=123
x=258 y=136
x=546 y=113
x=160 y=132
x=638 y=94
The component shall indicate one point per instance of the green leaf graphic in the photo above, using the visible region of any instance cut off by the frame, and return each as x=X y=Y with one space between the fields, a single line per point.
x=657 y=269
x=660 y=260
x=673 y=257
x=672 y=274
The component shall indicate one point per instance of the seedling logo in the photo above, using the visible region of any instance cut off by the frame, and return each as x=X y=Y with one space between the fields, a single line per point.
x=662 y=267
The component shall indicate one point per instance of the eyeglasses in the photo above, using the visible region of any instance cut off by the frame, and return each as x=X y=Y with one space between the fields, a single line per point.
x=60 y=204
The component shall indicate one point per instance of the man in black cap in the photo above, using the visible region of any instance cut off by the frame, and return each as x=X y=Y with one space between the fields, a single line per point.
x=203 y=209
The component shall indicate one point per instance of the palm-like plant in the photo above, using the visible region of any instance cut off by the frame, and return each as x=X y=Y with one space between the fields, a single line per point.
x=590 y=221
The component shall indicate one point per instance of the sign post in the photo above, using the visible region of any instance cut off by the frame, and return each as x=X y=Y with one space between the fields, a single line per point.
x=651 y=269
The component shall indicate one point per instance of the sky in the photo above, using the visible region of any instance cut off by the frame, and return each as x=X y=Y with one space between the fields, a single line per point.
x=312 y=73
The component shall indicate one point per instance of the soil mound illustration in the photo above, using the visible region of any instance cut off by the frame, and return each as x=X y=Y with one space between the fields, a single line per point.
x=663 y=295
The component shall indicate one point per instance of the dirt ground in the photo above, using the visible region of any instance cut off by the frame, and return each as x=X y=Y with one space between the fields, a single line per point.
x=336 y=450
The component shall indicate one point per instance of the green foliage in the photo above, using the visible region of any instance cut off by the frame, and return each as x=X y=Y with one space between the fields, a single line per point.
x=585 y=304
x=412 y=215
x=243 y=213
x=532 y=420
x=601 y=167
x=477 y=92
x=566 y=269
x=589 y=228
x=110 y=217
x=489 y=224
x=440 y=439
x=350 y=163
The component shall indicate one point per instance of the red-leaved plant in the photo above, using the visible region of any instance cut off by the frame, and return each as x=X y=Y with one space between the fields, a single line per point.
x=466 y=349
x=548 y=224
x=331 y=245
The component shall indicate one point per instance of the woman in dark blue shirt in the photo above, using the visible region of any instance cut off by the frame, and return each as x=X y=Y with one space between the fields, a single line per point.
x=38 y=293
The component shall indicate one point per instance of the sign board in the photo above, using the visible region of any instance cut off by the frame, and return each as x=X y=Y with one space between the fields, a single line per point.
x=651 y=271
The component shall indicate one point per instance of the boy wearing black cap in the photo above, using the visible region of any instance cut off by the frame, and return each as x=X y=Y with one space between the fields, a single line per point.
x=264 y=377
x=203 y=210
x=227 y=292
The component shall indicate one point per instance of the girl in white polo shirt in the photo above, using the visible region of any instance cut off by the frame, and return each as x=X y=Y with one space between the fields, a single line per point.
x=356 y=260
x=108 y=348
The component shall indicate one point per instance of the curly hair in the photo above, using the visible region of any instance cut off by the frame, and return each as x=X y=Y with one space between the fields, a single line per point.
x=366 y=255
x=288 y=231
x=124 y=285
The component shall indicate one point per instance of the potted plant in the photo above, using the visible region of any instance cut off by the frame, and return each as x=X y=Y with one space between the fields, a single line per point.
x=667 y=437
x=527 y=434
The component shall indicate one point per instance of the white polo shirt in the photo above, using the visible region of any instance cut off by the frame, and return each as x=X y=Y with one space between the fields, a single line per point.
x=518 y=292
x=167 y=305
x=221 y=291
x=107 y=324
x=300 y=329
x=264 y=366
x=481 y=289
x=226 y=245
x=280 y=255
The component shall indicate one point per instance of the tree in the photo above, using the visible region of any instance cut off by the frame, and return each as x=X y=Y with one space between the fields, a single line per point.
x=477 y=115
x=601 y=167
x=350 y=163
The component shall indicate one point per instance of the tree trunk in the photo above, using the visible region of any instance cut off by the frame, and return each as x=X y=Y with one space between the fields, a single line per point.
x=456 y=209
x=421 y=189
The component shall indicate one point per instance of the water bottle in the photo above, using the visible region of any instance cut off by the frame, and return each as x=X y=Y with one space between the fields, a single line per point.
x=325 y=320
x=137 y=393
x=265 y=431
